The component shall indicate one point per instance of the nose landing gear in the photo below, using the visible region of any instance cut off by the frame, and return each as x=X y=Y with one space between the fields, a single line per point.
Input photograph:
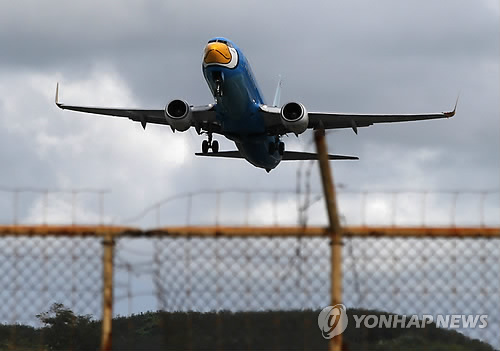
x=209 y=144
x=217 y=76
x=218 y=89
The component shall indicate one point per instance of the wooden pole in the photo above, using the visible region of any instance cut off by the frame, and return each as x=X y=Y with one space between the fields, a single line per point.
x=335 y=229
x=107 y=300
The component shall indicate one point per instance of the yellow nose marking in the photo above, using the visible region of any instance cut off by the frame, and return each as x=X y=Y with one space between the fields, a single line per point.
x=217 y=53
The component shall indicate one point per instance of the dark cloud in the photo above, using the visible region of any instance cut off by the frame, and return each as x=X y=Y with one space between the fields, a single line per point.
x=344 y=56
x=348 y=56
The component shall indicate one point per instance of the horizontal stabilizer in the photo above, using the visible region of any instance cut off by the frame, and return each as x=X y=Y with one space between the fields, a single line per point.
x=227 y=154
x=287 y=156
x=297 y=155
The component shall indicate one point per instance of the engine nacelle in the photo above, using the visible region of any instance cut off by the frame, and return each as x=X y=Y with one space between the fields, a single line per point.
x=178 y=115
x=294 y=117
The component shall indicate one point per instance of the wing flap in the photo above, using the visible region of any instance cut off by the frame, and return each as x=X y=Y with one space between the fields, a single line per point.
x=151 y=116
x=346 y=120
x=329 y=120
x=202 y=115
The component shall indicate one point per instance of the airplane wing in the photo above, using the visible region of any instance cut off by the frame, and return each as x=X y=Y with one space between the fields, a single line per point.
x=203 y=116
x=287 y=156
x=330 y=120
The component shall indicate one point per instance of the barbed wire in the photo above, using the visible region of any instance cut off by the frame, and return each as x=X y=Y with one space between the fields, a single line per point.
x=47 y=193
x=251 y=206
x=306 y=199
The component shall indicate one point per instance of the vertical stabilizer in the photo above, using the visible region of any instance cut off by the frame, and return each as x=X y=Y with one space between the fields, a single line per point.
x=277 y=95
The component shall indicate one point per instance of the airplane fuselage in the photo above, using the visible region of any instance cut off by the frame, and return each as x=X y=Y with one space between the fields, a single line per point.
x=238 y=98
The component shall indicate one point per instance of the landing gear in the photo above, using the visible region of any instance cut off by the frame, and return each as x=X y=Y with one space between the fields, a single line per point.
x=209 y=144
x=218 y=89
x=281 y=148
x=215 y=146
x=205 y=147
x=217 y=77
x=277 y=145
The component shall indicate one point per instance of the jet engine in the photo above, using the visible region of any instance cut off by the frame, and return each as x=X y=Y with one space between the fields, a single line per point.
x=294 y=117
x=178 y=115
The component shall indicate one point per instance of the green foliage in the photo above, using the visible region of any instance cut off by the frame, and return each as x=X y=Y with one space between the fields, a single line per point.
x=290 y=330
x=18 y=337
x=64 y=330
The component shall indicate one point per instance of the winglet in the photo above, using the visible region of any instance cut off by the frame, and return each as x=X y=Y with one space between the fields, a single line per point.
x=452 y=113
x=57 y=95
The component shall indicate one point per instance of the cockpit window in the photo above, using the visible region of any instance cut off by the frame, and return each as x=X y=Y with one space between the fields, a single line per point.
x=220 y=41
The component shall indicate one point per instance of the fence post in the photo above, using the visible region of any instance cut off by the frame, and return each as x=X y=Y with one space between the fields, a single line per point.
x=335 y=229
x=107 y=291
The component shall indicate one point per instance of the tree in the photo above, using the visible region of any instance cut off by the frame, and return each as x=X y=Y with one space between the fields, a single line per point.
x=64 y=330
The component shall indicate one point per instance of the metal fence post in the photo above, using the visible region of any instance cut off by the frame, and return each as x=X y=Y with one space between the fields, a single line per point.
x=107 y=291
x=335 y=229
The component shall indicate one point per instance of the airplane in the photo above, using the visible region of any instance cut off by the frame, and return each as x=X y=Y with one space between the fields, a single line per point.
x=240 y=114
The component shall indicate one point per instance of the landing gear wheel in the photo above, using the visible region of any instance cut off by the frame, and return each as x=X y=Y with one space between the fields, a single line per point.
x=272 y=148
x=204 y=146
x=281 y=148
x=215 y=146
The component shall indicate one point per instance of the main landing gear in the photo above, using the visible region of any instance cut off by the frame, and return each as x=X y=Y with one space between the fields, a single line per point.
x=276 y=145
x=209 y=144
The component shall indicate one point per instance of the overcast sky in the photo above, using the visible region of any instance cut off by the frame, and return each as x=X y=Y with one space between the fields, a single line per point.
x=346 y=56
x=388 y=56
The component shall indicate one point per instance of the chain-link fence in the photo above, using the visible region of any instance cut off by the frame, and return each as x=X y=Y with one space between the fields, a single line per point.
x=425 y=276
x=222 y=293
x=198 y=287
x=51 y=292
x=247 y=293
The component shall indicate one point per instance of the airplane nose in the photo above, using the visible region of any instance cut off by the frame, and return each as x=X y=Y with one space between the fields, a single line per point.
x=217 y=53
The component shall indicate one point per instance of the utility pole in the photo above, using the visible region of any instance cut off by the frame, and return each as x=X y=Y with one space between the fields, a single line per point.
x=334 y=228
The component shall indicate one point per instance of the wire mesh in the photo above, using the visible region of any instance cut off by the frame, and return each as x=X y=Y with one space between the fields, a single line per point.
x=223 y=293
x=227 y=293
x=51 y=292
x=431 y=276
x=252 y=292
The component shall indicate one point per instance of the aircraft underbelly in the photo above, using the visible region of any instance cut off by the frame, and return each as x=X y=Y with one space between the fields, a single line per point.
x=255 y=151
x=238 y=110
